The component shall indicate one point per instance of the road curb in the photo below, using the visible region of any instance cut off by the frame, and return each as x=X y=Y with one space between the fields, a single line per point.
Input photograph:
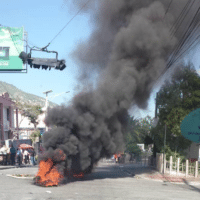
x=174 y=180
x=2 y=168
x=13 y=176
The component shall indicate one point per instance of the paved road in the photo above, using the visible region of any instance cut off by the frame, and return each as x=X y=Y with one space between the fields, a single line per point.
x=107 y=182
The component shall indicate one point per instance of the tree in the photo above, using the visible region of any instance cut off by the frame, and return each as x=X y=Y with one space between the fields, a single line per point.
x=138 y=131
x=35 y=135
x=133 y=149
x=30 y=111
x=175 y=100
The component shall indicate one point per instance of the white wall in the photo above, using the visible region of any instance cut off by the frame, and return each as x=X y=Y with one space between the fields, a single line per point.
x=24 y=122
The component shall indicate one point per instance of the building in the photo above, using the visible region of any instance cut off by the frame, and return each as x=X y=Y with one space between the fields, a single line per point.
x=25 y=127
x=7 y=112
x=193 y=152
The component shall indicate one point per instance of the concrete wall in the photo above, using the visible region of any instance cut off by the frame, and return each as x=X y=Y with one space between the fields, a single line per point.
x=159 y=162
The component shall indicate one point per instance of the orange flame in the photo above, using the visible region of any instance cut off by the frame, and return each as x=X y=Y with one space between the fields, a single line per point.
x=48 y=175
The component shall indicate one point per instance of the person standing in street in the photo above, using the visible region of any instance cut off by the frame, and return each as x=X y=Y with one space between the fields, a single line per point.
x=32 y=155
x=19 y=155
x=116 y=158
x=26 y=156
x=12 y=155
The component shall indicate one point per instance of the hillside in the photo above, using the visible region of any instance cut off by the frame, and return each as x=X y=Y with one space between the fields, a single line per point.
x=24 y=97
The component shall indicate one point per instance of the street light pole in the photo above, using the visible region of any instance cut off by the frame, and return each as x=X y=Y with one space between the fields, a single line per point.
x=59 y=94
x=46 y=105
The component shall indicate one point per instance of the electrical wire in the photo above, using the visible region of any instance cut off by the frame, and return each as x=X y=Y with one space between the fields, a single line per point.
x=178 y=25
x=168 y=7
x=187 y=49
x=68 y=22
x=179 y=17
x=181 y=55
x=61 y=29
x=184 y=38
x=181 y=44
x=188 y=41
x=172 y=53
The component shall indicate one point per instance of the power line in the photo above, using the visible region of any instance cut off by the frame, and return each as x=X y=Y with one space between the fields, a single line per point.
x=178 y=27
x=187 y=49
x=182 y=43
x=191 y=35
x=63 y=27
x=184 y=38
x=182 y=13
x=179 y=17
x=69 y=22
x=177 y=23
x=168 y=7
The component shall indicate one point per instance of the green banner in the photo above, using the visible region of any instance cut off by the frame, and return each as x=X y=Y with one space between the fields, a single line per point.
x=11 y=45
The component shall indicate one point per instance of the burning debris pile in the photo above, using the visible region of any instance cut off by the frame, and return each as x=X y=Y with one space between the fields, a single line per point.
x=49 y=173
x=129 y=48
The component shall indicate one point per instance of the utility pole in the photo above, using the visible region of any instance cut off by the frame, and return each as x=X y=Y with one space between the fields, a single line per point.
x=46 y=105
x=156 y=107
x=164 y=163
x=156 y=120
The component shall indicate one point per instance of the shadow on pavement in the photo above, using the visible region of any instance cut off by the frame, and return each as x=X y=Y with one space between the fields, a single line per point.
x=191 y=186
x=113 y=172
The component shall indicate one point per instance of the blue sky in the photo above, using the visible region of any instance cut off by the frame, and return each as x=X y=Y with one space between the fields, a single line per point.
x=43 y=20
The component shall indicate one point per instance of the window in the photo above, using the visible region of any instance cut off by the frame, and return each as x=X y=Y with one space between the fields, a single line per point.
x=8 y=114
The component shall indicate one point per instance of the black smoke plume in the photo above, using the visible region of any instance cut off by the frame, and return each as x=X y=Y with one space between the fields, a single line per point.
x=129 y=47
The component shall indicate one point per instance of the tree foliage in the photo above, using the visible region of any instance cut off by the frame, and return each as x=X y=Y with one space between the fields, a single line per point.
x=174 y=154
x=138 y=131
x=35 y=135
x=30 y=111
x=133 y=149
x=176 y=99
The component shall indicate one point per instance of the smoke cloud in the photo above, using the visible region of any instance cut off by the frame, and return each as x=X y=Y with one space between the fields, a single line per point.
x=129 y=47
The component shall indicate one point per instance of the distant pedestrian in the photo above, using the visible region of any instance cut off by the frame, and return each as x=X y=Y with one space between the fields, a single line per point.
x=26 y=156
x=19 y=157
x=12 y=155
x=116 y=158
x=119 y=157
x=32 y=155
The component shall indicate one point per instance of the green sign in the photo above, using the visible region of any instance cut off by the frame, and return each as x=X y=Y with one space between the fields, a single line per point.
x=11 y=45
x=190 y=126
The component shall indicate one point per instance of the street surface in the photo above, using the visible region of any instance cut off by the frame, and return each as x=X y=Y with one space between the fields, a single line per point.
x=107 y=182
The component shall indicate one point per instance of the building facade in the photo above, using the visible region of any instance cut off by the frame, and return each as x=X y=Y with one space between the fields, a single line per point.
x=7 y=111
x=25 y=127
